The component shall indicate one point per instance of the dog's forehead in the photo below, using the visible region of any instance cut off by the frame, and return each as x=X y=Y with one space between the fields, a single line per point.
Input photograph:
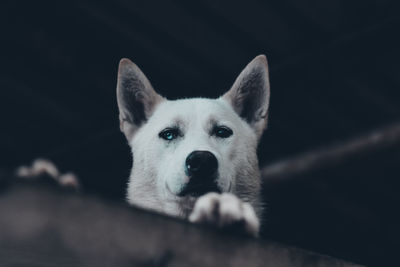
x=198 y=109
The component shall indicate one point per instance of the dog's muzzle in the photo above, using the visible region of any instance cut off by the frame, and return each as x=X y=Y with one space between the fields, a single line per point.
x=201 y=167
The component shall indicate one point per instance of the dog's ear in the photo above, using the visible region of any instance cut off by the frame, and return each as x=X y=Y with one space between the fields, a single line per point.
x=136 y=97
x=249 y=95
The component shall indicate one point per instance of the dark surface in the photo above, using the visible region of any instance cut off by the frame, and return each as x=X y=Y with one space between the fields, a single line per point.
x=47 y=227
x=334 y=69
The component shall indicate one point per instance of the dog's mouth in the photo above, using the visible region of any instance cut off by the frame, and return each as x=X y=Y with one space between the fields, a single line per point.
x=197 y=190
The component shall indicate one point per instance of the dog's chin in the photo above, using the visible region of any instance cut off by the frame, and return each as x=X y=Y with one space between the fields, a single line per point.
x=198 y=191
x=187 y=197
x=186 y=205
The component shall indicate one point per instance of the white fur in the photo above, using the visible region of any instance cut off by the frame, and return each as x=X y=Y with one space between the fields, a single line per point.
x=167 y=160
x=158 y=172
x=45 y=167
x=225 y=209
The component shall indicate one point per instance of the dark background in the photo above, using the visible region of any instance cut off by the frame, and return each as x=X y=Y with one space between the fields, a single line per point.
x=334 y=70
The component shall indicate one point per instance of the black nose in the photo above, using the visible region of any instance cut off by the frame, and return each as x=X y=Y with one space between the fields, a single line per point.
x=201 y=167
x=201 y=163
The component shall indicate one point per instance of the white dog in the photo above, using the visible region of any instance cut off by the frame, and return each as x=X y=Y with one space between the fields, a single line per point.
x=196 y=158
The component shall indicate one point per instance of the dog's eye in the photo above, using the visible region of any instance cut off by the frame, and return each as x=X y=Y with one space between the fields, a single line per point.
x=169 y=134
x=222 y=131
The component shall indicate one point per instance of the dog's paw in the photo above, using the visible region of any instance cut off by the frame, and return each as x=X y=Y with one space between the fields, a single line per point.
x=42 y=168
x=225 y=211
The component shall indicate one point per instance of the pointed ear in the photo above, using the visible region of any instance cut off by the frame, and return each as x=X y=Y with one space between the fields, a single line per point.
x=249 y=95
x=136 y=97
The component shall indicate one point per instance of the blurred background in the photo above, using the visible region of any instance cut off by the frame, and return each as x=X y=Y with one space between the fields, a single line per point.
x=335 y=76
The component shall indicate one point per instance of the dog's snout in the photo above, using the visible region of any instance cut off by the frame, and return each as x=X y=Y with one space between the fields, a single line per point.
x=201 y=163
x=201 y=167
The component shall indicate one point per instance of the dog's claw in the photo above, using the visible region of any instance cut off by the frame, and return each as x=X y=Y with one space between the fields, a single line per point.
x=225 y=210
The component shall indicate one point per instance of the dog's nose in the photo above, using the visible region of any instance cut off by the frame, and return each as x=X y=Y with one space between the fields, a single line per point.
x=201 y=163
x=201 y=167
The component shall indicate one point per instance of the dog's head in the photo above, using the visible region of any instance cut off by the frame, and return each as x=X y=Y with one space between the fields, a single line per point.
x=192 y=146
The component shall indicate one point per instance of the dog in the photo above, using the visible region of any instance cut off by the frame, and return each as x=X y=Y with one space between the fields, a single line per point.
x=196 y=158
